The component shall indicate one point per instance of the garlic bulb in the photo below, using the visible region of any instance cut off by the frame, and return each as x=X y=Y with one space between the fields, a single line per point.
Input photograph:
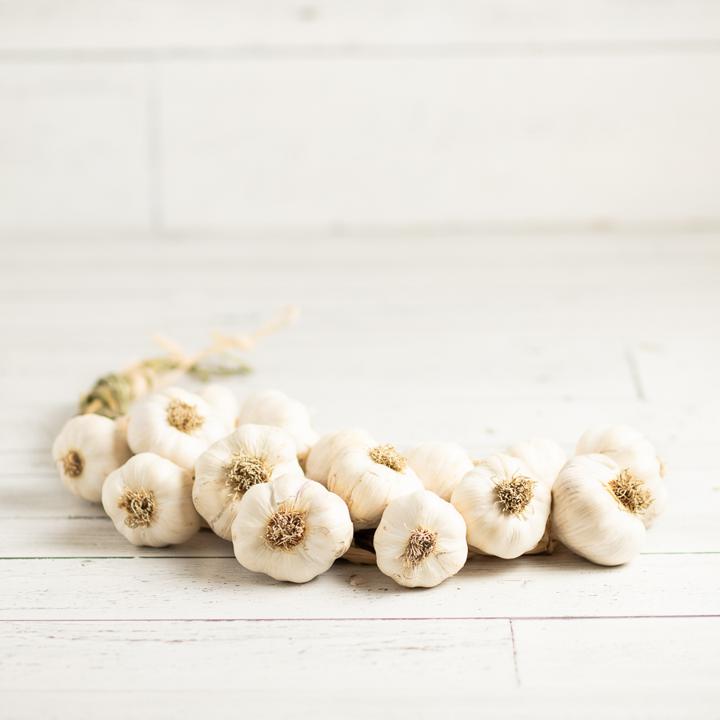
x=367 y=478
x=271 y=407
x=87 y=450
x=228 y=469
x=633 y=452
x=223 y=402
x=505 y=508
x=291 y=529
x=175 y=424
x=598 y=509
x=149 y=501
x=421 y=540
x=542 y=456
x=323 y=453
x=440 y=466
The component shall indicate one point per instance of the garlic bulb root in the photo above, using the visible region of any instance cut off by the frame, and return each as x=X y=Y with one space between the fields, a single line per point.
x=183 y=416
x=286 y=528
x=630 y=492
x=420 y=544
x=514 y=493
x=388 y=456
x=139 y=506
x=243 y=471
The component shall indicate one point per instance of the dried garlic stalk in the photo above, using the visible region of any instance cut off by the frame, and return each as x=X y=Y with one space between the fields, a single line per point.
x=112 y=394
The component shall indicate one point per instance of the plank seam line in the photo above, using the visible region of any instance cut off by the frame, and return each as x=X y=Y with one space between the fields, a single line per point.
x=378 y=51
x=230 y=556
x=515 y=618
x=634 y=367
x=154 y=159
x=218 y=235
x=514 y=653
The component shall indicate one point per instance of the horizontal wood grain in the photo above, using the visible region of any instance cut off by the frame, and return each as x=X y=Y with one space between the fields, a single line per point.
x=81 y=24
x=278 y=669
x=219 y=588
x=177 y=666
x=649 y=667
x=415 y=142
x=74 y=146
x=623 y=290
x=390 y=142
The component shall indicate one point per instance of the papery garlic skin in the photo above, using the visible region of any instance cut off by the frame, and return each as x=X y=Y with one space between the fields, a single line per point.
x=630 y=449
x=505 y=509
x=367 y=478
x=324 y=452
x=175 y=424
x=587 y=516
x=229 y=467
x=440 y=466
x=420 y=540
x=149 y=501
x=291 y=529
x=272 y=407
x=121 y=423
x=88 y=448
x=542 y=456
x=223 y=402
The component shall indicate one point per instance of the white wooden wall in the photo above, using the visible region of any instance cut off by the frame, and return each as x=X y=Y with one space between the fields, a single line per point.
x=175 y=116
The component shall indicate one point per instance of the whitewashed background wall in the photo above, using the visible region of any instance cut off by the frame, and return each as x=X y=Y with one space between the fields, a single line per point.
x=171 y=116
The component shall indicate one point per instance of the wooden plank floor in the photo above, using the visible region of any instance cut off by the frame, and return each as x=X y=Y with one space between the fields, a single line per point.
x=482 y=339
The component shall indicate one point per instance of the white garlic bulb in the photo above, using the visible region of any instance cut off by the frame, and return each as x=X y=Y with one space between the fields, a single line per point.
x=223 y=402
x=598 y=510
x=542 y=456
x=271 y=407
x=367 y=478
x=149 y=501
x=291 y=529
x=228 y=469
x=175 y=424
x=420 y=540
x=632 y=451
x=87 y=450
x=440 y=466
x=505 y=509
x=323 y=453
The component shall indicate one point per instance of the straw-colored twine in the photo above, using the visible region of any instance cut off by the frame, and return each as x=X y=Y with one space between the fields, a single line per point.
x=112 y=394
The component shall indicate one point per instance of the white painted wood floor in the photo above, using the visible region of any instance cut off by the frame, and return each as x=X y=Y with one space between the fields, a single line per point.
x=479 y=339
